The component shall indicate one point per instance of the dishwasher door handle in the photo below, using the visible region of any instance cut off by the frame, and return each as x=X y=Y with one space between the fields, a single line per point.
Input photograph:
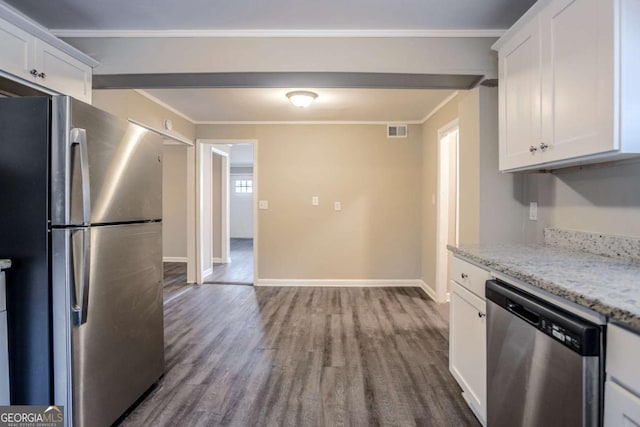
x=523 y=313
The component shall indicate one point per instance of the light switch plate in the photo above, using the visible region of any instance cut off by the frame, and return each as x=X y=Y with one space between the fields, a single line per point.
x=315 y=201
x=533 y=211
x=263 y=204
x=337 y=206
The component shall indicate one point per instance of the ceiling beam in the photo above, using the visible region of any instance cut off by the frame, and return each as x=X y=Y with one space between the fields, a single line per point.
x=284 y=79
x=433 y=56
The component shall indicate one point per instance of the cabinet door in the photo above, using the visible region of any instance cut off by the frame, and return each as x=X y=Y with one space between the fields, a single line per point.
x=16 y=57
x=621 y=408
x=520 y=98
x=468 y=348
x=578 y=78
x=63 y=73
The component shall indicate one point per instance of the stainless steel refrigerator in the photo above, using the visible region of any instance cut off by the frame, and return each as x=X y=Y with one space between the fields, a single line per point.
x=80 y=217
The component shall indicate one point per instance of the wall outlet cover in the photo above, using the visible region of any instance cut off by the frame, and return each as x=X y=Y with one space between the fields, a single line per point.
x=337 y=206
x=263 y=204
x=315 y=201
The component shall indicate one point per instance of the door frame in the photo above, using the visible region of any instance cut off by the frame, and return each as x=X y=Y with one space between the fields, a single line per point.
x=442 y=214
x=197 y=210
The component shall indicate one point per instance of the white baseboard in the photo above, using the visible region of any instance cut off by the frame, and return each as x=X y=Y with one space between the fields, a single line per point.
x=428 y=290
x=341 y=283
x=174 y=259
x=220 y=261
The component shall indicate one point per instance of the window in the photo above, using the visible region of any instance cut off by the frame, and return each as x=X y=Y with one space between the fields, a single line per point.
x=244 y=186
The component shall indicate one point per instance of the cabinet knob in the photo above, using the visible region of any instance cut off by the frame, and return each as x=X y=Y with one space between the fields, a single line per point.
x=481 y=315
x=543 y=146
x=533 y=149
x=42 y=75
x=464 y=275
x=33 y=72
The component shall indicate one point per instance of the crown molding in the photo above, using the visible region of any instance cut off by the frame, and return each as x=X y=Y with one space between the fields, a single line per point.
x=164 y=105
x=493 y=33
x=439 y=106
x=13 y=16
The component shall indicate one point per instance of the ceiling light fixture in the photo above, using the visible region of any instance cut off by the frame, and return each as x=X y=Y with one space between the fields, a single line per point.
x=301 y=98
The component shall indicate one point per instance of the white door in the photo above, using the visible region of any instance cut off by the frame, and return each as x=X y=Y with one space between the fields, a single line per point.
x=241 y=206
x=467 y=351
x=520 y=99
x=577 y=91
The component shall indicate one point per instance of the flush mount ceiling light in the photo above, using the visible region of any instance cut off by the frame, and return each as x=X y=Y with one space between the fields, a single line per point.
x=301 y=98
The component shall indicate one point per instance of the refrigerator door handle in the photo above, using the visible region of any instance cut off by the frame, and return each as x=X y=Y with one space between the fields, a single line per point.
x=79 y=138
x=81 y=274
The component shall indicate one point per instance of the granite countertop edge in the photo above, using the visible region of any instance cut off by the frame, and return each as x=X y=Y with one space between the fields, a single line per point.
x=5 y=263
x=612 y=312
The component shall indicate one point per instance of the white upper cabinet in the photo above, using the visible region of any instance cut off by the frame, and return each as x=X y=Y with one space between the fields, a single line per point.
x=33 y=61
x=568 y=85
x=17 y=46
x=520 y=97
x=63 y=73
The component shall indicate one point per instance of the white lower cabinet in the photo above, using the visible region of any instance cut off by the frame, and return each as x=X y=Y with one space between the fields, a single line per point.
x=622 y=388
x=622 y=408
x=467 y=347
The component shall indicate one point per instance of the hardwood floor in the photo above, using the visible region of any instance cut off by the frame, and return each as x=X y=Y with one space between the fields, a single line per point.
x=175 y=278
x=240 y=269
x=245 y=356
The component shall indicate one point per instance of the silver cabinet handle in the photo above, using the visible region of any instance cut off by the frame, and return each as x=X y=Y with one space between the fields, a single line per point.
x=533 y=149
x=33 y=72
x=543 y=146
x=481 y=315
x=81 y=268
x=79 y=138
x=464 y=275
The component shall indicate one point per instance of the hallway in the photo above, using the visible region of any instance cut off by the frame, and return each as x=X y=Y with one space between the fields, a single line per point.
x=240 y=269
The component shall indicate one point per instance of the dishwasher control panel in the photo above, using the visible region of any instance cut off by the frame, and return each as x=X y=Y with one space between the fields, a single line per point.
x=561 y=334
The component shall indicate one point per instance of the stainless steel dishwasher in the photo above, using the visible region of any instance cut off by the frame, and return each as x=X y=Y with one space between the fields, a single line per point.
x=543 y=363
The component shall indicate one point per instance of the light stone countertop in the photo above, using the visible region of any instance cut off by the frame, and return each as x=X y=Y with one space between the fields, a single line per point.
x=606 y=285
x=5 y=263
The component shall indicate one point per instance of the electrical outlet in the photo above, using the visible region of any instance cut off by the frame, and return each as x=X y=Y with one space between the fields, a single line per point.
x=533 y=211
x=315 y=201
x=337 y=206
x=263 y=204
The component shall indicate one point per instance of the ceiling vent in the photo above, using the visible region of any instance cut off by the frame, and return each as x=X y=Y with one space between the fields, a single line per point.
x=396 y=131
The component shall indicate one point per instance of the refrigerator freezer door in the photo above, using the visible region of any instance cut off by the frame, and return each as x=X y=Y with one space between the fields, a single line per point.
x=118 y=353
x=121 y=162
x=24 y=211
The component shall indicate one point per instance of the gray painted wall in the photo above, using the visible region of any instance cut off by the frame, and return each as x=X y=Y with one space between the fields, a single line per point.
x=599 y=198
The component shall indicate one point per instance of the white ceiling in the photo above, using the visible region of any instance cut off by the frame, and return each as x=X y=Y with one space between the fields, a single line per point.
x=269 y=105
x=274 y=14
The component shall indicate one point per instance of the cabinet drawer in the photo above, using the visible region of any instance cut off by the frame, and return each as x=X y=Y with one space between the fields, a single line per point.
x=3 y=294
x=621 y=408
x=469 y=276
x=623 y=353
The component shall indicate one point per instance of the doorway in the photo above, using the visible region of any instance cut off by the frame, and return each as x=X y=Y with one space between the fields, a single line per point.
x=226 y=220
x=238 y=267
x=448 y=204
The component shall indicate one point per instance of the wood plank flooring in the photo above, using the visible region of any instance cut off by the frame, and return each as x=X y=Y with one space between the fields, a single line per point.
x=240 y=269
x=245 y=356
x=175 y=278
